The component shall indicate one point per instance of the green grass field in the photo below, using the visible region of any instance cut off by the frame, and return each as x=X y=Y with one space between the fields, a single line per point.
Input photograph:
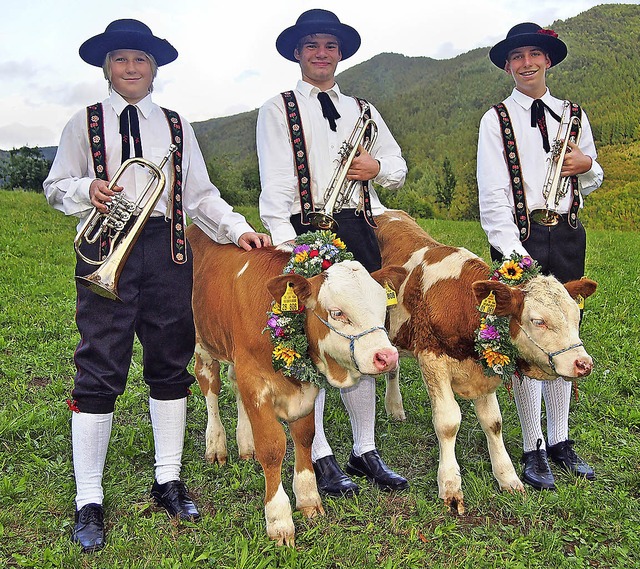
x=581 y=525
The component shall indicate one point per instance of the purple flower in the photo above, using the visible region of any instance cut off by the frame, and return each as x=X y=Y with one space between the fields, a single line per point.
x=490 y=333
x=272 y=322
x=301 y=248
x=279 y=332
x=526 y=262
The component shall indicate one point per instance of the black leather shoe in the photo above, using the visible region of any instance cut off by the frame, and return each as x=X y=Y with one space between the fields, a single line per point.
x=331 y=480
x=564 y=455
x=536 y=471
x=88 y=531
x=371 y=465
x=174 y=498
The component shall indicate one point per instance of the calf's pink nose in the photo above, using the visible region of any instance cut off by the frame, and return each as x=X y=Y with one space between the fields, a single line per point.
x=386 y=359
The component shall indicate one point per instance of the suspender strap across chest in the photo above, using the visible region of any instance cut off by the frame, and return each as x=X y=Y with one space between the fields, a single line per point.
x=515 y=173
x=95 y=123
x=300 y=154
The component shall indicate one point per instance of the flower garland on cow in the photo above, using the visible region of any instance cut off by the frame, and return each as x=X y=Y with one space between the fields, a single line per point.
x=493 y=343
x=313 y=253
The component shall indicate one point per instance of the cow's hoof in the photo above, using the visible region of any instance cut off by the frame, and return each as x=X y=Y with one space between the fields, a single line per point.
x=455 y=505
x=283 y=537
x=513 y=486
x=248 y=456
x=312 y=511
x=216 y=457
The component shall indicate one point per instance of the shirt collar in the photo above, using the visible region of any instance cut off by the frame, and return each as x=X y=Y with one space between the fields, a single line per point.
x=118 y=103
x=308 y=90
x=525 y=101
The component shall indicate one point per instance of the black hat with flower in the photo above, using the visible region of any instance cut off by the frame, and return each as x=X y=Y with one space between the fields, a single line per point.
x=529 y=34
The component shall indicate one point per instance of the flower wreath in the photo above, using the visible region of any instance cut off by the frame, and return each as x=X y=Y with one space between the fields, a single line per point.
x=492 y=339
x=313 y=253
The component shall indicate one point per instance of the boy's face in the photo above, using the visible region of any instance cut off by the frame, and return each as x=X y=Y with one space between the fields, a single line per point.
x=528 y=67
x=131 y=74
x=319 y=55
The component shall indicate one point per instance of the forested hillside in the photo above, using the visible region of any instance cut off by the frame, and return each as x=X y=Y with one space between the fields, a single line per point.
x=434 y=106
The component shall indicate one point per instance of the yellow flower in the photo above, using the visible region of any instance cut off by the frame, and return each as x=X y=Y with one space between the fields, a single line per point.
x=494 y=358
x=511 y=270
x=285 y=354
x=301 y=257
x=339 y=243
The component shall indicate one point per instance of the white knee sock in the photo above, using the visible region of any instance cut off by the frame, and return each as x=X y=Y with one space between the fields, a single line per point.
x=320 y=447
x=557 y=397
x=169 y=419
x=360 y=402
x=527 y=393
x=90 y=434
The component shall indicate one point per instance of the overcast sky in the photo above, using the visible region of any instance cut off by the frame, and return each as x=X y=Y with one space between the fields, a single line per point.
x=228 y=62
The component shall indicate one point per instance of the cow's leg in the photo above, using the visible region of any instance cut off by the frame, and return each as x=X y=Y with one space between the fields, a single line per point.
x=208 y=374
x=446 y=418
x=308 y=499
x=244 y=434
x=392 y=396
x=488 y=412
x=270 y=446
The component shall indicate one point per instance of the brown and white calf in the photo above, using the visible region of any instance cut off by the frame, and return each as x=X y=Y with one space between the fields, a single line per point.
x=435 y=321
x=232 y=292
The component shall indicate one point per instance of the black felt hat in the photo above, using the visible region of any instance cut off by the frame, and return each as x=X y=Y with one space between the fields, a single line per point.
x=127 y=34
x=318 y=22
x=529 y=34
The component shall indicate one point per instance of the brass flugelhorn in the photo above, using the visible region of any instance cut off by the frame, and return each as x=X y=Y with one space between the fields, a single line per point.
x=340 y=190
x=123 y=231
x=555 y=186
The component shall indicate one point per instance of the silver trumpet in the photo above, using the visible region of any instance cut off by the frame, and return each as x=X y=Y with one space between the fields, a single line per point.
x=104 y=280
x=555 y=186
x=340 y=190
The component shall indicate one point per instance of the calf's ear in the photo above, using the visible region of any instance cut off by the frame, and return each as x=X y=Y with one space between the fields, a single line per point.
x=278 y=285
x=582 y=287
x=509 y=300
x=392 y=275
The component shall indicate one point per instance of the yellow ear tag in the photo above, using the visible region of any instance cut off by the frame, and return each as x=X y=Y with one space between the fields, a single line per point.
x=289 y=300
x=392 y=299
x=580 y=301
x=488 y=305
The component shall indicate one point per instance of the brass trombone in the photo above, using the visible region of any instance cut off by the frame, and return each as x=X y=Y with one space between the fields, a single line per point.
x=340 y=190
x=104 y=280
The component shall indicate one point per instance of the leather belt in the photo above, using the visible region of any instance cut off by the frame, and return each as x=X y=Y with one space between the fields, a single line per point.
x=547 y=217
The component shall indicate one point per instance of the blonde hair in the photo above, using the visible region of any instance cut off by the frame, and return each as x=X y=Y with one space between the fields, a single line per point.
x=106 y=68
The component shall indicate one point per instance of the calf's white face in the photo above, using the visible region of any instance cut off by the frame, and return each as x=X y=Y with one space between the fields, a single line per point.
x=550 y=323
x=354 y=305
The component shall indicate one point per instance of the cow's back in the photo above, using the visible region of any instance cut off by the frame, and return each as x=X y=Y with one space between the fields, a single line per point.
x=230 y=299
x=438 y=308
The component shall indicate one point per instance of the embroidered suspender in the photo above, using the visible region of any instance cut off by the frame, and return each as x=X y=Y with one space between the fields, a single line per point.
x=95 y=124
x=515 y=172
x=302 y=164
x=300 y=155
x=576 y=111
x=178 y=244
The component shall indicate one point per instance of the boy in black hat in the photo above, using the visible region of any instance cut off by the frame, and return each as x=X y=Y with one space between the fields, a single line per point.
x=299 y=134
x=519 y=215
x=155 y=284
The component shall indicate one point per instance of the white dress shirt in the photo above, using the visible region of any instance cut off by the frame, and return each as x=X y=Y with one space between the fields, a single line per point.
x=494 y=183
x=67 y=186
x=280 y=199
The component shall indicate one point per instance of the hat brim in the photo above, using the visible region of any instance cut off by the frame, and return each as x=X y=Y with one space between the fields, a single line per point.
x=95 y=49
x=555 y=47
x=288 y=40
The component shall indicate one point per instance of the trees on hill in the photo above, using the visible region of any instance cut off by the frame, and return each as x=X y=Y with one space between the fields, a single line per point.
x=25 y=168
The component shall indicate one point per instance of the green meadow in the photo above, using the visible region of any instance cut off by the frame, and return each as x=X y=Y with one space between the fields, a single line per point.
x=581 y=525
